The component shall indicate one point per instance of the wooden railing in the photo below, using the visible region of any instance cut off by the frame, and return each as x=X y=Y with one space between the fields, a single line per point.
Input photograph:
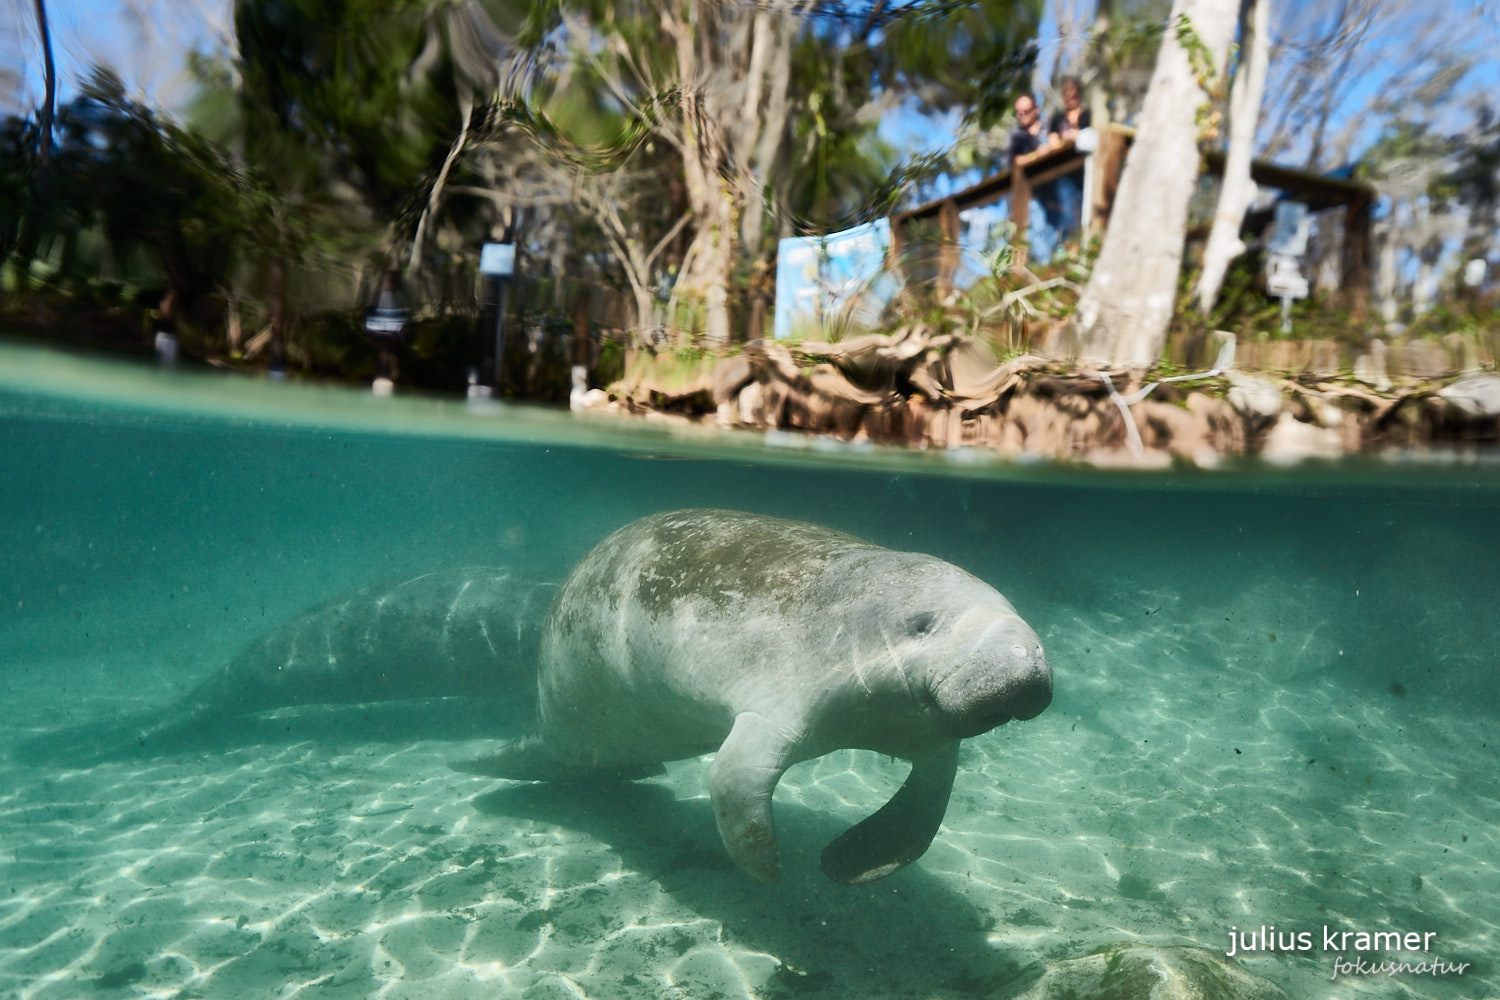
x=1317 y=191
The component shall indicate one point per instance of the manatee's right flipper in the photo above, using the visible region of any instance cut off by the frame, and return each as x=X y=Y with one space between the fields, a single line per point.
x=904 y=827
x=527 y=759
x=743 y=776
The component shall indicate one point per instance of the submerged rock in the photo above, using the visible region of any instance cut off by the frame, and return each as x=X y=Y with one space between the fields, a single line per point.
x=1151 y=974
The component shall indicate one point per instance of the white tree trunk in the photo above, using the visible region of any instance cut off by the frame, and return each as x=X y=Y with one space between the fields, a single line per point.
x=1385 y=275
x=704 y=109
x=1238 y=190
x=1124 y=313
x=735 y=66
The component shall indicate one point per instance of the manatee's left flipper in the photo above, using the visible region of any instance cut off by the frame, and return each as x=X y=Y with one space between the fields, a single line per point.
x=744 y=774
x=528 y=759
x=901 y=831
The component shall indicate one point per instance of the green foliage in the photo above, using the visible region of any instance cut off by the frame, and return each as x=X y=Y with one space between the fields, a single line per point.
x=611 y=365
x=134 y=202
x=1209 y=76
x=339 y=82
x=974 y=55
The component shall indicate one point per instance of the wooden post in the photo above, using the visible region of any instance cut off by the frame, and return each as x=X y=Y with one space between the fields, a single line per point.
x=1357 y=256
x=948 y=250
x=1109 y=161
x=898 y=241
x=1020 y=216
x=583 y=336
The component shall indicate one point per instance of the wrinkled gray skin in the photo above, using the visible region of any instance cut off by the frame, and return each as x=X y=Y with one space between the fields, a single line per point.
x=774 y=642
x=467 y=631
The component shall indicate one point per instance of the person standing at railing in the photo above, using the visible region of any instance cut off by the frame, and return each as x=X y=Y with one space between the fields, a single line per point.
x=1064 y=126
x=1029 y=140
x=1026 y=135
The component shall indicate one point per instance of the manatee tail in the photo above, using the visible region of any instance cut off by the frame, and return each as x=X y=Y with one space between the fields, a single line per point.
x=527 y=759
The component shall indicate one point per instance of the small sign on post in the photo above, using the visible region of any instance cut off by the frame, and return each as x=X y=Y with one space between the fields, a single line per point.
x=1284 y=277
x=497 y=264
x=497 y=259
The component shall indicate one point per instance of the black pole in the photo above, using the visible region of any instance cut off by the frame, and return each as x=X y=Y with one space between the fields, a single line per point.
x=496 y=264
x=503 y=286
x=487 y=334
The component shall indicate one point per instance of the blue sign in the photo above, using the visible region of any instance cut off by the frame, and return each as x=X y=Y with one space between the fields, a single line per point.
x=817 y=277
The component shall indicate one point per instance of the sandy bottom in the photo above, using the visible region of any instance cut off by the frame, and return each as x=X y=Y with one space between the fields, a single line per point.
x=1182 y=782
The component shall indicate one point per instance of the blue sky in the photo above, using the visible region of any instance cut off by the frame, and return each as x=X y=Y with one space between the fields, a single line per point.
x=143 y=39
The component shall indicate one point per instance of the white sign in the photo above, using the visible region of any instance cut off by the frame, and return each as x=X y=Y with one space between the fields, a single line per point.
x=1292 y=230
x=1474 y=272
x=1293 y=226
x=385 y=323
x=498 y=259
x=1284 y=277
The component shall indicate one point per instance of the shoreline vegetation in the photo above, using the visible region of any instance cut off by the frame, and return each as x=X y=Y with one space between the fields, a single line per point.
x=1278 y=401
x=1281 y=401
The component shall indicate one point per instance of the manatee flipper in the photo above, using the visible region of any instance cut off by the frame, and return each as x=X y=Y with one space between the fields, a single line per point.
x=743 y=776
x=900 y=832
x=528 y=759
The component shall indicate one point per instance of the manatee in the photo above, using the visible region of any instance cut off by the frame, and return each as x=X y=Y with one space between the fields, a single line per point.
x=773 y=642
x=466 y=632
x=469 y=632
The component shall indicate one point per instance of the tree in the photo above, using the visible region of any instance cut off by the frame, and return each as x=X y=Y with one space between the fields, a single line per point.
x=26 y=187
x=44 y=137
x=1342 y=68
x=1237 y=190
x=745 y=95
x=1127 y=306
x=334 y=114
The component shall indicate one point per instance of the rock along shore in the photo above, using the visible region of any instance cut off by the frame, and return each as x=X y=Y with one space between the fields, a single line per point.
x=941 y=392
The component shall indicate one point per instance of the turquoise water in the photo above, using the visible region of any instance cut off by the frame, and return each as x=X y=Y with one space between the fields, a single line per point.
x=1275 y=704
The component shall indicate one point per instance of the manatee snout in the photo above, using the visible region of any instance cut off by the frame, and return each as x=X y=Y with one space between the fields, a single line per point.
x=996 y=689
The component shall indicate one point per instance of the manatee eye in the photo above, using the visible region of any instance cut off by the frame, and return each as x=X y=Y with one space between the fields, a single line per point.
x=921 y=623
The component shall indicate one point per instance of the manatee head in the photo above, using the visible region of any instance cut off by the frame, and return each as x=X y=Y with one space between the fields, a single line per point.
x=980 y=665
x=967 y=658
x=1000 y=675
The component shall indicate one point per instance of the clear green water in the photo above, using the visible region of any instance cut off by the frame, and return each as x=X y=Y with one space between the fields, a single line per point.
x=1276 y=698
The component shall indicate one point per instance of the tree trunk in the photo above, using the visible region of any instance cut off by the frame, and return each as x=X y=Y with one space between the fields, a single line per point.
x=435 y=195
x=735 y=68
x=278 y=316
x=44 y=149
x=1125 y=310
x=1238 y=190
x=1102 y=54
x=705 y=275
x=645 y=315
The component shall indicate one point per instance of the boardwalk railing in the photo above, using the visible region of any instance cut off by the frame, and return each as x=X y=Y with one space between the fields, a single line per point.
x=1102 y=179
